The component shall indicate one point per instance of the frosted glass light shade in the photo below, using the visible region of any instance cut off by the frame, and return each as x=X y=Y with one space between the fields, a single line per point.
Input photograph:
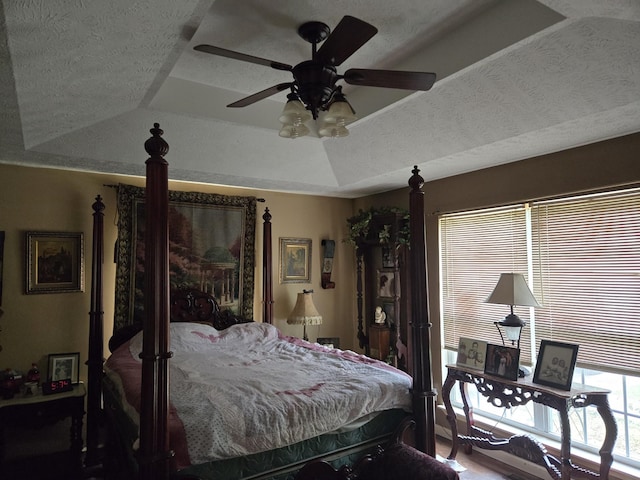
x=294 y=113
x=333 y=130
x=294 y=131
x=340 y=112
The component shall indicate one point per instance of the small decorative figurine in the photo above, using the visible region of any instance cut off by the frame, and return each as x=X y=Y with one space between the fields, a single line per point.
x=33 y=375
x=380 y=316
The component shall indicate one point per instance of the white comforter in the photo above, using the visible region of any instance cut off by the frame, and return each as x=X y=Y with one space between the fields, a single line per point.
x=249 y=389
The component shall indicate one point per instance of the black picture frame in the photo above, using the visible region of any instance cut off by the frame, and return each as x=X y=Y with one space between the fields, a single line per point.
x=502 y=361
x=63 y=366
x=555 y=365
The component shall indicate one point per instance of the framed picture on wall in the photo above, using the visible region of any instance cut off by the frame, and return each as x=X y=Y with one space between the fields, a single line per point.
x=54 y=262
x=295 y=260
x=555 y=365
x=387 y=283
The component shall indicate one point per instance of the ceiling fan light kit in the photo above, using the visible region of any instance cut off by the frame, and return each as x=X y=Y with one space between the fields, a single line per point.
x=314 y=89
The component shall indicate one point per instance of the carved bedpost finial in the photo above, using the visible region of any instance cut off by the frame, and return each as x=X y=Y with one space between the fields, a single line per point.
x=98 y=206
x=267 y=215
x=416 y=181
x=156 y=145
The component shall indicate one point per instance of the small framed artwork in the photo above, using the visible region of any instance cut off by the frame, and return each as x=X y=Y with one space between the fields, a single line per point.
x=471 y=353
x=331 y=342
x=387 y=257
x=64 y=366
x=502 y=361
x=387 y=284
x=555 y=365
x=54 y=262
x=295 y=260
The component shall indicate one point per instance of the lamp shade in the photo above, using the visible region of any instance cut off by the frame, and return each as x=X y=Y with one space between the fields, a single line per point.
x=512 y=289
x=294 y=112
x=304 y=312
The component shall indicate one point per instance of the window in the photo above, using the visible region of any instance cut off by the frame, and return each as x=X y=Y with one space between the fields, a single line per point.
x=581 y=258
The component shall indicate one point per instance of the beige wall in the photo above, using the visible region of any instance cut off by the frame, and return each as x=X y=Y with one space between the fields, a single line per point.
x=55 y=200
x=36 y=199
x=593 y=167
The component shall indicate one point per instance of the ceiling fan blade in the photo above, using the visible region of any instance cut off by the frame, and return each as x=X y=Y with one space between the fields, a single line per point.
x=223 y=52
x=260 y=95
x=390 y=78
x=348 y=36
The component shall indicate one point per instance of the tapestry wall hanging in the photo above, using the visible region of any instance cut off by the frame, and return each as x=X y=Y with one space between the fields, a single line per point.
x=211 y=248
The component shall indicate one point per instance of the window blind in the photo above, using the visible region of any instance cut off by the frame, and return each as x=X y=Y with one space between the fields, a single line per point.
x=584 y=259
x=476 y=247
x=586 y=262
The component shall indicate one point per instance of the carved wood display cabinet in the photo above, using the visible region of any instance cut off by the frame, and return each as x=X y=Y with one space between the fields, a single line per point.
x=382 y=280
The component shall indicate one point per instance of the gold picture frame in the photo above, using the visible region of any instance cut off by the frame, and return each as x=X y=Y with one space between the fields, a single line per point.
x=54 y=262
x=295 y=260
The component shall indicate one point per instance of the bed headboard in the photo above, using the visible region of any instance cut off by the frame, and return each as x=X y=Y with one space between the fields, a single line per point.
x=186 y=305
x=191 y=305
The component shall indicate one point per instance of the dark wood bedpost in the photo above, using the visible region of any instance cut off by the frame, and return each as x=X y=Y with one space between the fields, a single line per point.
x=155 y=457
x=424 y=395
x=96 y=339
x=267 y=268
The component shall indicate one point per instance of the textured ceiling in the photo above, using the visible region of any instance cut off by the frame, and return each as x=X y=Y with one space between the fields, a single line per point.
x=81 y=83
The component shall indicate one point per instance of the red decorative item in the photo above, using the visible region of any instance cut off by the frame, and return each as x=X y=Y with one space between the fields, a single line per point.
x=33 y=375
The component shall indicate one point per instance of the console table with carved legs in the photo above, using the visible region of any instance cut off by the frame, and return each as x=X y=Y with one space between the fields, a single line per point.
x=507 y=393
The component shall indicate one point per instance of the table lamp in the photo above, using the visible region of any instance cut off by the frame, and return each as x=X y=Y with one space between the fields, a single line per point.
x=512 y=290
x=304 y=312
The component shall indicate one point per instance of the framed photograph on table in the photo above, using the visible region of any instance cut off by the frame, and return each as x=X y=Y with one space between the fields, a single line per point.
x=295 y=260
x=555 y=365
x=471 y=353
x=502 y=361
x=54 y=262
x=63 y=366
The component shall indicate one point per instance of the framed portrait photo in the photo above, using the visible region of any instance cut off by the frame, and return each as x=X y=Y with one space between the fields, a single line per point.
x=54 y=262
x=295 y=260
x=387 y=285
x=502 y=361
x=471 y=353
x=64 y=366
x=555 y=365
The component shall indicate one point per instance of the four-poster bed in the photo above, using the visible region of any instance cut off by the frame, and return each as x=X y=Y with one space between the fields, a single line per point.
x=176 y=320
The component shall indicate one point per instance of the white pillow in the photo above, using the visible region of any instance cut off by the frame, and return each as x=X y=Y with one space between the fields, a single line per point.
x=184 y=337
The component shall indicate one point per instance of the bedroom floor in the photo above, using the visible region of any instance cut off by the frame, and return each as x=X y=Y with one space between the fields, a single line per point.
x=481 y=467
x=56 y=467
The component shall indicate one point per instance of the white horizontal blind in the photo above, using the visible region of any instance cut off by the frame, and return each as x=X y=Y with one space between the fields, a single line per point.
x=586 y=261
x=475 y=248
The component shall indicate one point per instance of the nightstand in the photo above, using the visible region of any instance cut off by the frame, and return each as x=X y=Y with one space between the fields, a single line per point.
x=38 y=410
x=379 y=338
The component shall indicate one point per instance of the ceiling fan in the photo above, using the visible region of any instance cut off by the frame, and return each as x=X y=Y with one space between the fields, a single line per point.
x=314 y=81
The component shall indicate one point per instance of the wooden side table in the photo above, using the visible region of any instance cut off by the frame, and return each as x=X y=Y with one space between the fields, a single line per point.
x=379 y=338
x=501 y=392
x=37 y=410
